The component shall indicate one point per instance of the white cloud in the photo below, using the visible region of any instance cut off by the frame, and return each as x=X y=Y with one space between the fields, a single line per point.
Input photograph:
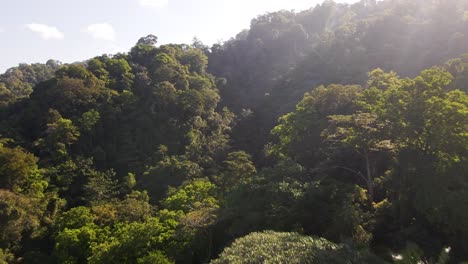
x=46 y=32
x=154 y=3
x=102 y=31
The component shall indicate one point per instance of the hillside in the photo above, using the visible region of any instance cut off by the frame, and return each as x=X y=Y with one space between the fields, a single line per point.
x=341 y=129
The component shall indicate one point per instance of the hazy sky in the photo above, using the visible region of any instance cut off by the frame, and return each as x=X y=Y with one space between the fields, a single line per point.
x=38 y=30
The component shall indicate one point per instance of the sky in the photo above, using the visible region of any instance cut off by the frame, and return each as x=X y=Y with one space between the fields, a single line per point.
x=37 y=30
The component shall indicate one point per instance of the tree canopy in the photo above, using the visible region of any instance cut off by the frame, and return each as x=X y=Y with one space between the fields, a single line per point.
x=342 y=129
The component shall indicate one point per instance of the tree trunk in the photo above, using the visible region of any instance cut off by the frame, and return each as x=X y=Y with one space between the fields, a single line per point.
x=369 y=181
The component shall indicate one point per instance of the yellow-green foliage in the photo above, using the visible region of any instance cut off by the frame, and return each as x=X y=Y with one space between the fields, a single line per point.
x=275 y=247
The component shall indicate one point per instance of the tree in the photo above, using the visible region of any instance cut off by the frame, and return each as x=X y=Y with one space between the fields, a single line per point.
x=80 y=239
x=120 y=73
x=19 y=81
x=100 y=187
x=365 y=135
x=89 y=120
x=238 y=170
x=74 y=245
x=154 y=257
x=74 y=218
x=135 y=158
x=6 y=96
x=19 y=171
x=60 y=135
x=148 y=40
x=132 y=241
x=192 y=196
x=300 y=132
x=279 y=247
x=20 y=218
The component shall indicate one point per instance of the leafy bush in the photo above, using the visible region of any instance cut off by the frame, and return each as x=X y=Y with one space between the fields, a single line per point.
x=275 y=247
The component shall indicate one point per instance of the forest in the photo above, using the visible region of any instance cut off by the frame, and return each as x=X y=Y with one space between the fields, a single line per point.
x=337 y=134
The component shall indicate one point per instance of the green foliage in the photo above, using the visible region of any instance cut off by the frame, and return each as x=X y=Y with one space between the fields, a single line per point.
x=89 y=120
x=19 y=172
x=150 y=40
x=100 y=187
x=120 y=73
x=73 y=245
x=284 y=54
x=75 y=218
x=20 y=218
x=364 y=135
x=238 y=170
x=126 y=240
x=18 y=82
x=135 y=157
x=69 y=178
x=192 y=196
x=272 y=247
x=130 y=242
x=5 y=257
x=6 y=96
x=171 y=171
x=60 y=135
x=402 y=138
x=74 y=71
x=134 y=208
x=154 y=257
x=269 y=200
x=300 y=132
